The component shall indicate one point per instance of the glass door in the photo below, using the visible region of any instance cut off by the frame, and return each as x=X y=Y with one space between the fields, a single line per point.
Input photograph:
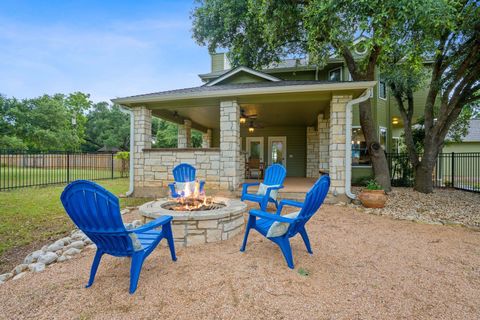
x=277 y=150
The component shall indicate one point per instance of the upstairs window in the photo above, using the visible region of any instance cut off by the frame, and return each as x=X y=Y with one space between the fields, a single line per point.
x=335 y=74
x=382 y=90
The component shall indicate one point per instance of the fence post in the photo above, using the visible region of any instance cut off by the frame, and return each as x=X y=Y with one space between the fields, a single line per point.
x=453 y=169
x=112 y=165
x=68 y=167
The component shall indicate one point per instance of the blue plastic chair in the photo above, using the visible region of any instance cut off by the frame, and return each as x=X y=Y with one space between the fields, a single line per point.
x=96 y=212
x=274 y=177
x=184 y=172
x=313 y=200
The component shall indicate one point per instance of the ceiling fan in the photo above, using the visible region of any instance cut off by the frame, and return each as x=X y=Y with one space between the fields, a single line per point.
x=244 y=117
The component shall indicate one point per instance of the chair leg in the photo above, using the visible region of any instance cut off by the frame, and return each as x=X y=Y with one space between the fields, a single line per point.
x=250 y=224
x=284 y=245
x=135 y=269
x=93 y=270
x=264 y=205
x=167 y=229
x=303 y=233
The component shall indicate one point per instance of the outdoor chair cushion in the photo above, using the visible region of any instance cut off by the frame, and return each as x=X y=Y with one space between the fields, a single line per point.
x=137 y=246
x=278 y=229
x=262 y=189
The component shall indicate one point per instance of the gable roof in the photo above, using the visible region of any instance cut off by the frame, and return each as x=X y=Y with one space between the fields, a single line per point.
x=237 y=70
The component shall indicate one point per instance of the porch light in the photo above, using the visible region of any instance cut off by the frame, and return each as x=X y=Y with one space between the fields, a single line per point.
x=395 y=120
x=251 y=129
x=243 y=119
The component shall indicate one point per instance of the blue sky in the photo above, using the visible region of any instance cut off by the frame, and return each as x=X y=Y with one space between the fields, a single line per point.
x=102 y=47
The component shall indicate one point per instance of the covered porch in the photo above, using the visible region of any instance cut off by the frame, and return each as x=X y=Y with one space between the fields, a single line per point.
x=300 y=124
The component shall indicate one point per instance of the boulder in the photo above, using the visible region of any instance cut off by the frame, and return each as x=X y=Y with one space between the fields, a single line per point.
x=20 y=275
x=66 y=240
x=4 y=277
x=57 y=245
x=63 y=258
x=136 y=223
x=20 y=268
x=78 y=235
x=87 y=241
x=32 y=257
x=47 y=257
x=71 y=252
x=36 y=267
x=76 y=244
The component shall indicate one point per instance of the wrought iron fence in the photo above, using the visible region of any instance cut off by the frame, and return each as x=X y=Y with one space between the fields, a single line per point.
x=19 y=169
x=454 y=170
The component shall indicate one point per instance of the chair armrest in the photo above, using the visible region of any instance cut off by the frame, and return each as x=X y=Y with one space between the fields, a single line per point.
x=287 y=202
x=249 y=184
x=172 y=189
x=154 y=224
x=201 y=185
x=266 y=215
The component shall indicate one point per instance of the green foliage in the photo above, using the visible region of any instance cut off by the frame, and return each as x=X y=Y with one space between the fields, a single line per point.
x=123 y=155
x=166 y=135
x=373 y=185
x=303 y=272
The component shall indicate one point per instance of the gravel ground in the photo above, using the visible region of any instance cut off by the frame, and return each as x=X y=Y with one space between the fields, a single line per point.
x=443 y=206
x=364 y=267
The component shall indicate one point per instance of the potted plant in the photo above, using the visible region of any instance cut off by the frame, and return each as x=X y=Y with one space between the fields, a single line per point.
x=373 y=196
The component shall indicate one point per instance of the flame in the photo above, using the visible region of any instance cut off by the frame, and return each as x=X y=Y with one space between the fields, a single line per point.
x=192 y=200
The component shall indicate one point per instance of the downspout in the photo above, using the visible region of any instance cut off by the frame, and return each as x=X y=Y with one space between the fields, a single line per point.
x=132 y=144
x=348 y=140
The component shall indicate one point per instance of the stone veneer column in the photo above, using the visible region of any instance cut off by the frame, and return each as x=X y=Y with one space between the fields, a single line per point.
x=337 y=143
x=230 y=169
x=142 y=140
x=184 y=135
x=312 y=153
x=324 y=141
x=207 y=139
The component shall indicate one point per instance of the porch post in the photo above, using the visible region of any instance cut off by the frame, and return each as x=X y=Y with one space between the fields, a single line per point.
x=337 y=143
x=230 y=168
x=207 y=139
x=142 y=140
x=184 y=137
x=324 y=141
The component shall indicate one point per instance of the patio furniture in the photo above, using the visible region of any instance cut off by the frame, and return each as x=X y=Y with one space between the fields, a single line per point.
x=254 y=169
x=280 y=229
x=96 y=212
x=267 y=191
x=183 y=173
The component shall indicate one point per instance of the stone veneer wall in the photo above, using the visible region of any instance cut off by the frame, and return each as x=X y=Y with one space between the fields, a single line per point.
x=318 y=141
x=337 y=143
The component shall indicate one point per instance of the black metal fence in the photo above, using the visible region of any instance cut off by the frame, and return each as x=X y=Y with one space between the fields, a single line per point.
x=453 y=170
x=20 y=169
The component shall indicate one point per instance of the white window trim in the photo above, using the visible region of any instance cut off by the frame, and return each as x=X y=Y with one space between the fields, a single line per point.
x=386 y=89
x=259 y=140
x=333 y=70
x=270 y=140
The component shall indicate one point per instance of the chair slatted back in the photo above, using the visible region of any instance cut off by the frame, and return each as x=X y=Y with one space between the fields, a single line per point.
x=313 y=200
x=96 y=212
x=184 y=172
x=275 y=175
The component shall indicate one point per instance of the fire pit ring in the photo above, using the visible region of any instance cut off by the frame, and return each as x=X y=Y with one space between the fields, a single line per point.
x=202 y=226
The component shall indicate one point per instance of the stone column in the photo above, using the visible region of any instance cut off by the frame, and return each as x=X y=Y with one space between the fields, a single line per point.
x=142 y=140
x=230 y=170
x=312 y=152
x=184 y=137
x=324 y=141
x=207 y=139
x=337 y=143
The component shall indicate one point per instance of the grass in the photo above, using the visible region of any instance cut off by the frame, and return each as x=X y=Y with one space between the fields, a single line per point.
x=11 y=177
x=36 y=214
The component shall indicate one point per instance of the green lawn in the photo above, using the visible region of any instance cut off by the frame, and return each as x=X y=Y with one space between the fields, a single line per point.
x=11 y=177
x=36 y=214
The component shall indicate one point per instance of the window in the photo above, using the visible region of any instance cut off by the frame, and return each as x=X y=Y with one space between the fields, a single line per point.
x=335 y=74
x=383 y=137
x=360 y=156
x=382 y=90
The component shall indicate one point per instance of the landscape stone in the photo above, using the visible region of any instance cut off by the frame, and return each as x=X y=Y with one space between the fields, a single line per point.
x=20 y=268
x=6 y=276
x=57 y=245
x=47 y=257
x=77 y=245
x=71 y=252
x=20 y=275
x=36 y=267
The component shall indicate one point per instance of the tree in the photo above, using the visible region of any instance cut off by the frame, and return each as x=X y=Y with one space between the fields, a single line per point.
x=166 y=135
x=107 y=126
x=258 y=32
x=453 y=44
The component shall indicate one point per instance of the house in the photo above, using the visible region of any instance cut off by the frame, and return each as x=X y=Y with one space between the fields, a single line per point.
x=469 y=143
x=291 y=113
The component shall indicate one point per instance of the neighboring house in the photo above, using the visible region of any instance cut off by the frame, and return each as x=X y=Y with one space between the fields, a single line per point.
x=290 y=113
x=469 y=143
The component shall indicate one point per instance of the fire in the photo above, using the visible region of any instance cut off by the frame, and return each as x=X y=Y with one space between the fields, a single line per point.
x=193 y=200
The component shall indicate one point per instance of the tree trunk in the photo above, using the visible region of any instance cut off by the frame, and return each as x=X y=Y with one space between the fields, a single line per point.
x=377 y=154
x=424 y=176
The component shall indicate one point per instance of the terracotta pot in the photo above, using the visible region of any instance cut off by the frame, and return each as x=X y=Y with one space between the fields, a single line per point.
x=373 y=198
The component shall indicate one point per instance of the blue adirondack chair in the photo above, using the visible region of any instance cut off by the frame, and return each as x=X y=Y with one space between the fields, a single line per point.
x=96 y=212
x=274 y=177
x=313 y=200
x=184 y=172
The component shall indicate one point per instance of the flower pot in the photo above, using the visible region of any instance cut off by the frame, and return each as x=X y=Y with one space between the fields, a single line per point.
x=373 y=198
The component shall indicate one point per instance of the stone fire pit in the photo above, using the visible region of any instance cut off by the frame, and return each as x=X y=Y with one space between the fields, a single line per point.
x=197 y=227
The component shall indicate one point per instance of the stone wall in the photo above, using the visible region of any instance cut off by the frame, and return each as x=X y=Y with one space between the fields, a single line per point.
x=318 y=141
x=324 y=142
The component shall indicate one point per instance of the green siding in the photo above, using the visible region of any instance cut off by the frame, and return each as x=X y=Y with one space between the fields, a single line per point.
x=462 y=147
x=217 y=62
x=243 y=77
x=296 y=146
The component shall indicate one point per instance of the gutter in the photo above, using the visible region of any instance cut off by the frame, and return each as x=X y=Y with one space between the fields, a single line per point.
x=348 y=138
x=132 y=136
